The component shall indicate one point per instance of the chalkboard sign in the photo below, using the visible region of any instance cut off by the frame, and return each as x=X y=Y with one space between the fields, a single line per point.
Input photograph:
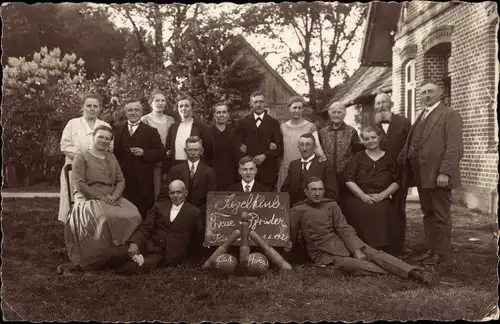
x=268 y=216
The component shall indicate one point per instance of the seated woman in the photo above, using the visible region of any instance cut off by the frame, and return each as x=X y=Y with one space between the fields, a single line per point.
x=372 y=178
x=101 y=220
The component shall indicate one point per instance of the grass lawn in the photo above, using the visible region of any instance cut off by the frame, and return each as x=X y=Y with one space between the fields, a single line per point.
x=33 y=246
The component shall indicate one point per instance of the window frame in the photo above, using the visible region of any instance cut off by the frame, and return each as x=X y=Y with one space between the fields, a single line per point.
x=410 y=86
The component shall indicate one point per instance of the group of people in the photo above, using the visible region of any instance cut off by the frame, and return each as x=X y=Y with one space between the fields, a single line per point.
x=141 y=188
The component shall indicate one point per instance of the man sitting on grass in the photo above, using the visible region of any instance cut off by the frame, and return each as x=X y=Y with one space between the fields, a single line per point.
x=330 y=240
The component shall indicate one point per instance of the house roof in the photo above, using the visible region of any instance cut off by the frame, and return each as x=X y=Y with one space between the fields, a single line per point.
x=364 y=83
x=381 y=26
x=263 y=61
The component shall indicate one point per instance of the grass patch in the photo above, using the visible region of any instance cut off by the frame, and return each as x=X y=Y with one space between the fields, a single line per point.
x=33 y=246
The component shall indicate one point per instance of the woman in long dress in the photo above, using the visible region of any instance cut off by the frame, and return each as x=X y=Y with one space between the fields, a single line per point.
x=101 y=219
x=372 y=178
x=292 y=130
x=76 y=138
x=162 y=122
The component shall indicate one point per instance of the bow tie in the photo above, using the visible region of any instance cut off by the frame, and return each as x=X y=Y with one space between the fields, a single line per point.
x=385 y=122
x=135 y=124
x=258 y=119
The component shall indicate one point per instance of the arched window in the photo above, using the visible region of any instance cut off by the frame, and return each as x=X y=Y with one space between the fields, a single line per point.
x=410 y=88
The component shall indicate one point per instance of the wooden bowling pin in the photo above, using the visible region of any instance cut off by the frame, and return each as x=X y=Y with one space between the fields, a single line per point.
x=223 y=248
x=271 y=253
x=244 y=248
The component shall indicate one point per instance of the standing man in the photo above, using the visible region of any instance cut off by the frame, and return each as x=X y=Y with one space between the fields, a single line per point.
x=198 y=176
x=330 y=240
x=247 y=170
x=259 y=135
x=396 y=129
x=308 y=166
x=432 y=154
x=200 y=179
x=138 y=148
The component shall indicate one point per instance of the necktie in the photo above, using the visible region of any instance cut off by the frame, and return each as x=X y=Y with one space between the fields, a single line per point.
x=131 y=128
x=247 y=188
x=426 y=112
x=304 y=166
x=191 y=172
x=258 y=121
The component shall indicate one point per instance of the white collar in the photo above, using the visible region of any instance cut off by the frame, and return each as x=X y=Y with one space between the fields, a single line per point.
x=261 y=116
x=431 y=108
x=134 y=124
x=195 y=164
x=177 y=207
x=244 y=184
x=309 y=159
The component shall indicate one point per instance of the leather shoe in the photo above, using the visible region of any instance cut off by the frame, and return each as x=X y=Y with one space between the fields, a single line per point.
x=426 y=277
x=432 y=261
x=424 y=256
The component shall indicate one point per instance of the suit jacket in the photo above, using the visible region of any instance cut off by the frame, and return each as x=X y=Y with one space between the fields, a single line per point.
x=257 y=141
x=257 y=187
x=138 y=170
x=204 y=180
x=441 y=149
x=393 y=142
x=157 y=234
x=197 y=129
x=325 y=230
x=322 y=170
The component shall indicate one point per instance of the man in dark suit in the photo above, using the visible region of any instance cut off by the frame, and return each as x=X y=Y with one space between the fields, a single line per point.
x=200 y=179
x=307 y=166
x=198 y=176
x=432 y=155
x=138 y=148
x=330 y=240
x=259 y=135
x=164 y=236
x=395 y=128
x=247 y=170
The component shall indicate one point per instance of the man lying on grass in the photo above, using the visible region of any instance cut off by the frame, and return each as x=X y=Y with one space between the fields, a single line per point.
x=330 y=240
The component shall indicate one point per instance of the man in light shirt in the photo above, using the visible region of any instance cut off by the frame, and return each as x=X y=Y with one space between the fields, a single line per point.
x=431 y=157
x=248 y=170
x=396 y=130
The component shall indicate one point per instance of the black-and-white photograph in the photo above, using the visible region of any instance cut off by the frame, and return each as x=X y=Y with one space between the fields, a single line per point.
x=254 y=162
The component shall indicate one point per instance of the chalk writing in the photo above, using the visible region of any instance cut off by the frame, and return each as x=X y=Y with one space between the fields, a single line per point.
x=268 y=216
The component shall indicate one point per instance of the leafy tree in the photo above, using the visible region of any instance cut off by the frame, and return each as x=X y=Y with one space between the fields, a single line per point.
x=321 y=33
x=74 y=28
x=37 y=94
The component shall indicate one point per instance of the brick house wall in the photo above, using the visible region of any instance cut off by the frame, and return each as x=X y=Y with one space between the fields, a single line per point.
x=473 y=71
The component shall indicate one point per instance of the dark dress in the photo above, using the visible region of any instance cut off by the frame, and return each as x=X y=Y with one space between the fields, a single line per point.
x=370 y=220
x=222 y=159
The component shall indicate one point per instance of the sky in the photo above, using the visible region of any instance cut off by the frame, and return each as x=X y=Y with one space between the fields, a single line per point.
x=273 y=59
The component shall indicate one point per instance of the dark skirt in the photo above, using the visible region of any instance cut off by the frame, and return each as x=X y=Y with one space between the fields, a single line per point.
x=369 y=220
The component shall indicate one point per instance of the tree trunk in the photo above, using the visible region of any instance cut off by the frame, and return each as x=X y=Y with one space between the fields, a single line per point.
x=159 y=48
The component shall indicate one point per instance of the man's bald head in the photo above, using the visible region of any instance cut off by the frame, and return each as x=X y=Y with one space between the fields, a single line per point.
x=177 y=184
x=177 y=192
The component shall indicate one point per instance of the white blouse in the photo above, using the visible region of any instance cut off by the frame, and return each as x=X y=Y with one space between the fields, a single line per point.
x=183 y=133
x=77 y=137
